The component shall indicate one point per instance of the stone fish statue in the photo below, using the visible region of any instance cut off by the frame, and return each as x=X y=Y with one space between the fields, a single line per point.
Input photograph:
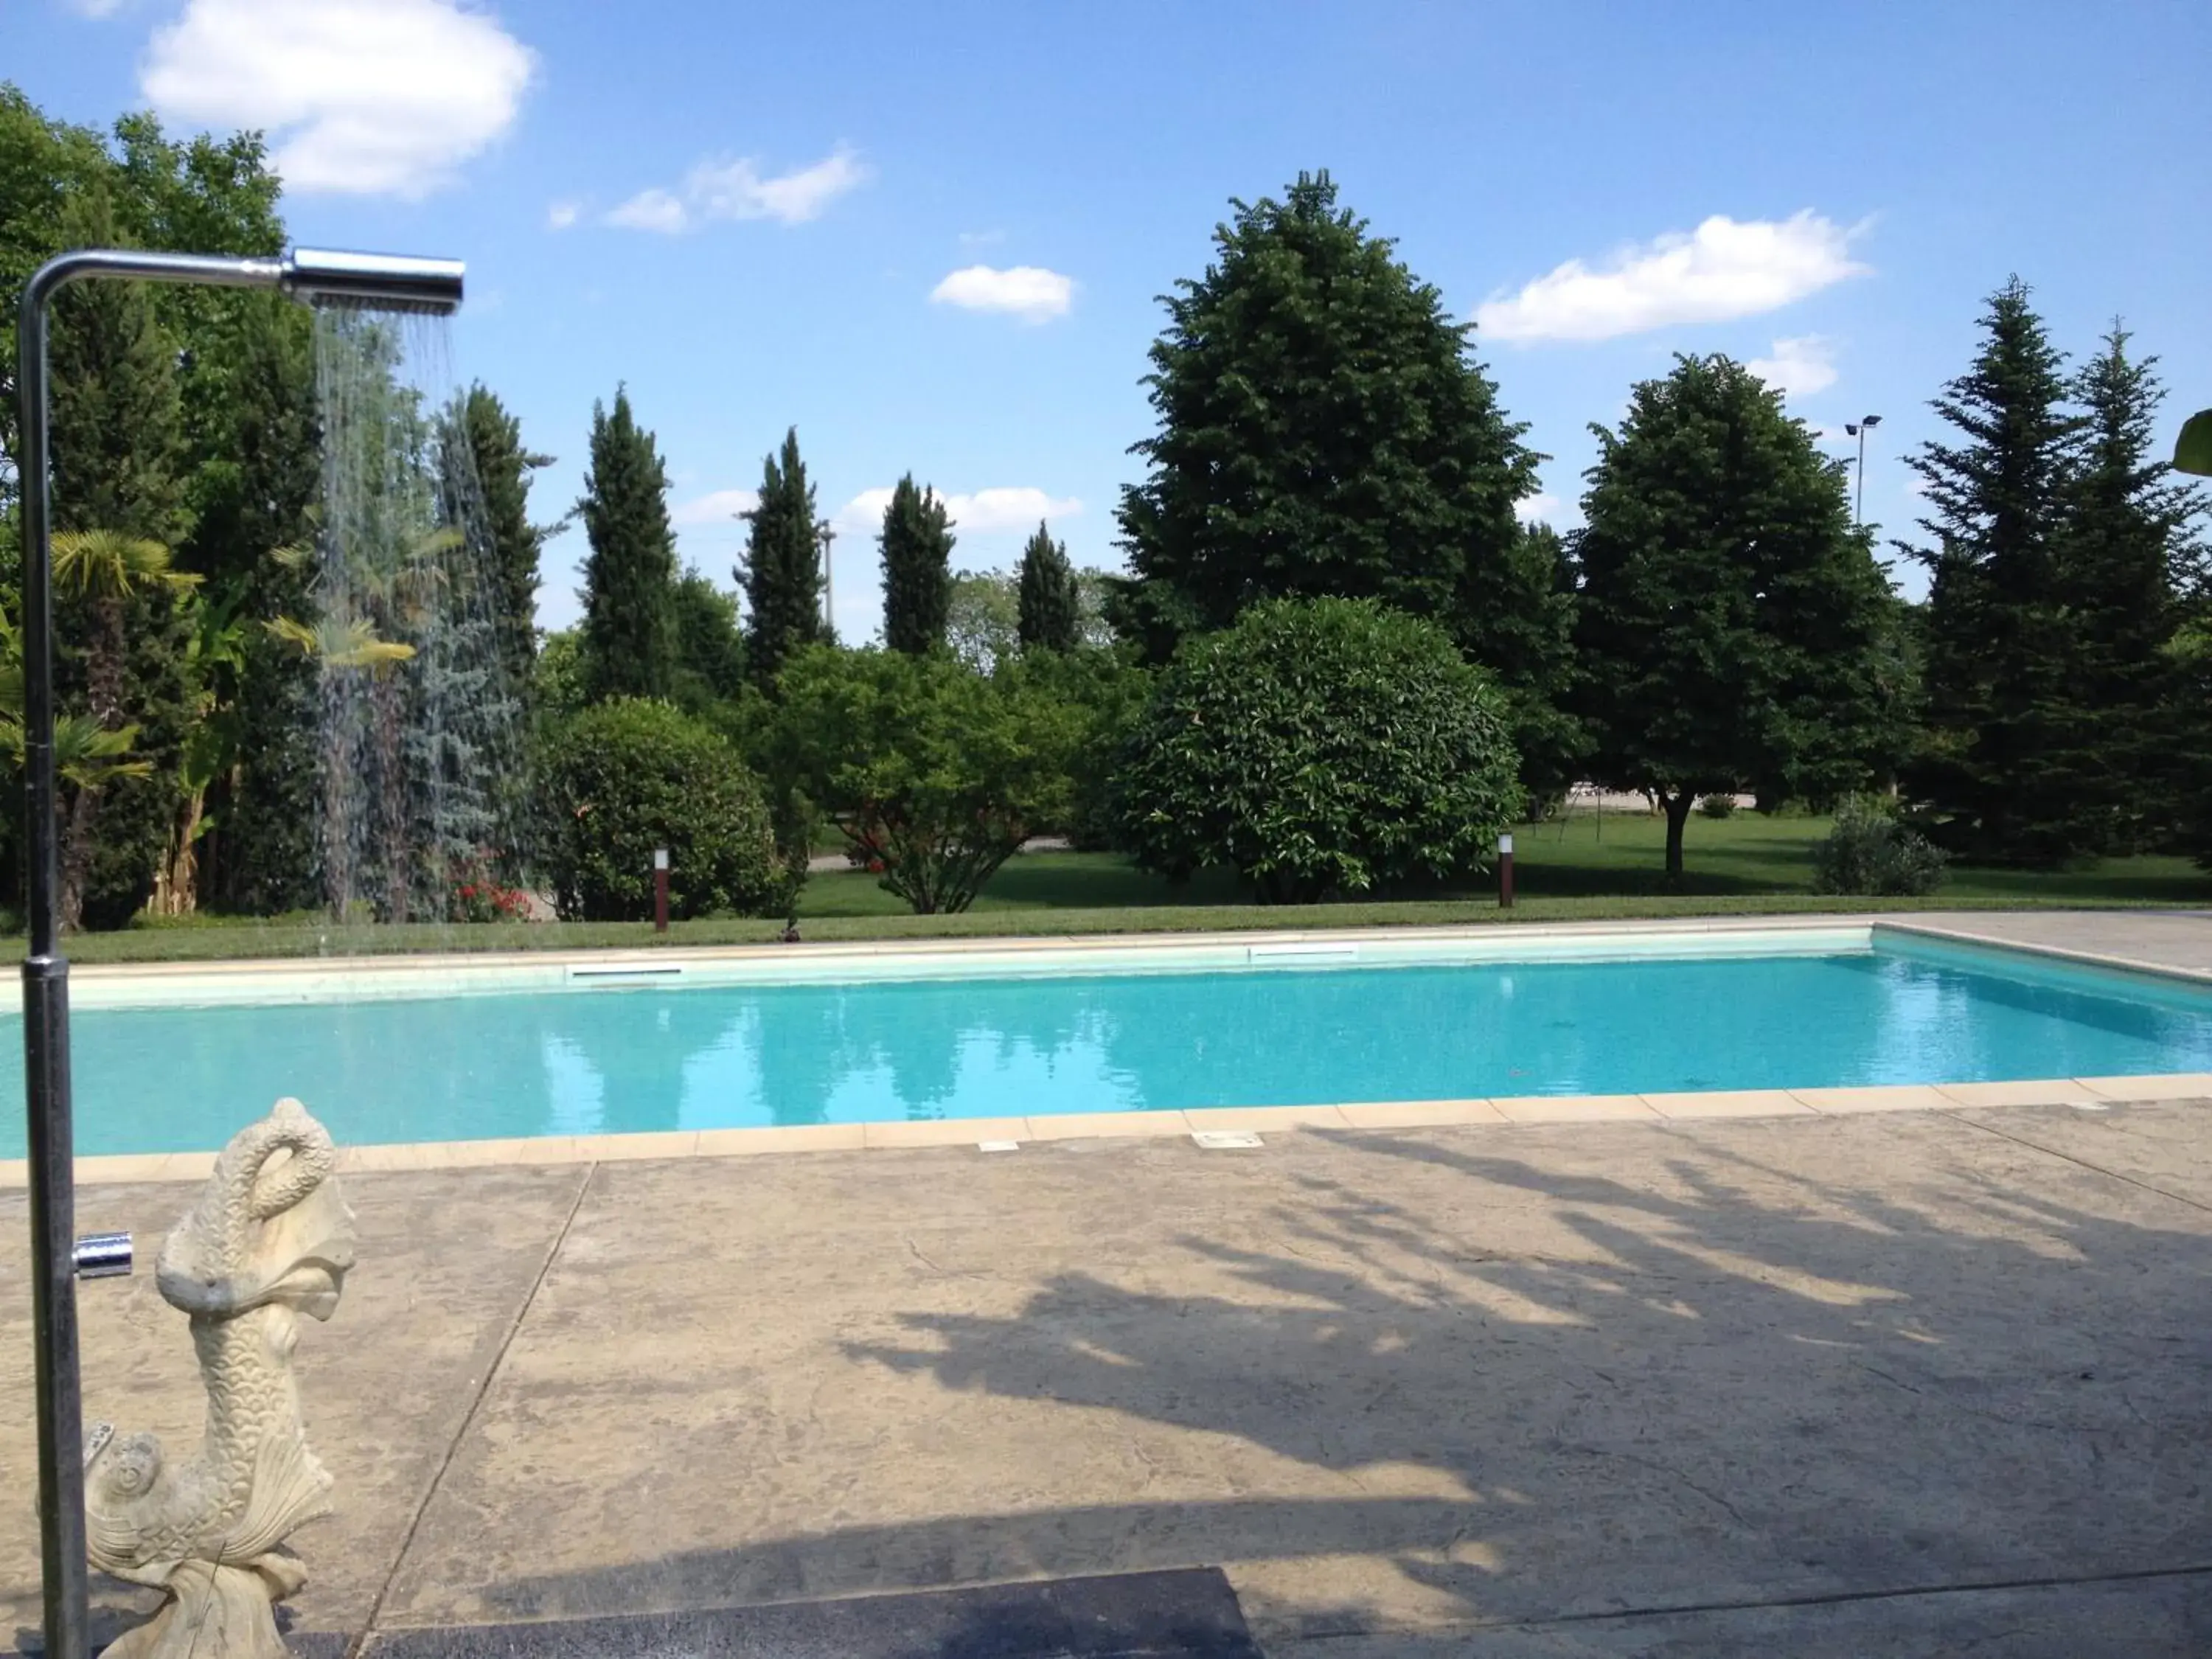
x=270 y=1239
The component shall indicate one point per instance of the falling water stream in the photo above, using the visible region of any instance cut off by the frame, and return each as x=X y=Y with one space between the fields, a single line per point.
x=418 y=732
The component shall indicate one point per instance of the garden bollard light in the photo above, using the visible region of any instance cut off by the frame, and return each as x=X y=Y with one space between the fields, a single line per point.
x=661 y=889
x=1505 y=872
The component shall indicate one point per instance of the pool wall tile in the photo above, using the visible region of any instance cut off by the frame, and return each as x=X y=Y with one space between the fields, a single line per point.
x=2046 y=1092
x=1575 y=1109
x=783 y=1137
x=1897 y=1097
x=944 y=1132
x=1259 y=1119
x=1418 y=1113
x=1087 y=1126
x=1729 y=1103
x=2178 y=1086
x=657 y=1143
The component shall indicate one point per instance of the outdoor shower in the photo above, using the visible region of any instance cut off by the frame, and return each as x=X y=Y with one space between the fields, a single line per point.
x=365 y=280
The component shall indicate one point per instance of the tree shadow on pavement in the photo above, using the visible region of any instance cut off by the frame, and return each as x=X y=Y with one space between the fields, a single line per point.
x=1570 y=1385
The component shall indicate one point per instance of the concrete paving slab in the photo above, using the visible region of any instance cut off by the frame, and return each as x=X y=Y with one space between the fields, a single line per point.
x=2166 y=1145
x=2160 y=1618
x=1397 y=1380
x=446 y=1263
x=1403 y=1386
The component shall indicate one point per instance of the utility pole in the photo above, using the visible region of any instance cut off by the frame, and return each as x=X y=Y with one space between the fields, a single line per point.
x=828 y=537
x=1858 y=429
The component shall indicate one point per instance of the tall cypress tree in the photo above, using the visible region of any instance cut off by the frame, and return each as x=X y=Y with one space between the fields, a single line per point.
x=1051 y=609
x=2003 y=724
x=917 y=552
x=628 y=627
x=781 y=572
x=502 y=467
x=2129 y=532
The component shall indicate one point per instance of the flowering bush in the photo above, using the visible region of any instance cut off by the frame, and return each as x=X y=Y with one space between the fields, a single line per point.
x=485 y=900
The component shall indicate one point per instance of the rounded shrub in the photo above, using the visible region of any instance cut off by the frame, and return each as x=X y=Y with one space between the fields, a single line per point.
x=1868 y=853
x=622 y=778
x=1320 y=747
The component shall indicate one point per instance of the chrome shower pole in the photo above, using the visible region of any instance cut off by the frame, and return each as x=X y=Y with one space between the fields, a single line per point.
x=355 y=279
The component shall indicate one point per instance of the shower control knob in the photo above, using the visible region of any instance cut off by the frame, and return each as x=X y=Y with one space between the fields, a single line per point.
x=103 y=1255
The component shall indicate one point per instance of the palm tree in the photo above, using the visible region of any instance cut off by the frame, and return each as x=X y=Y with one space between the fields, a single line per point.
x=105 y=569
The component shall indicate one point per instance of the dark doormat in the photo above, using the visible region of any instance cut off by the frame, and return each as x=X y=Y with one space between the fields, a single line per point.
x=1187 y=1614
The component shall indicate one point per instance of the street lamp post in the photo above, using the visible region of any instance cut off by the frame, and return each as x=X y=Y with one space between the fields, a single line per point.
x=1858 y=429
x=827 y=535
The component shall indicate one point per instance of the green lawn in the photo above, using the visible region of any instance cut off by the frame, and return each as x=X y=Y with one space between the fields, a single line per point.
x=1587 y=868
x=1586 y=857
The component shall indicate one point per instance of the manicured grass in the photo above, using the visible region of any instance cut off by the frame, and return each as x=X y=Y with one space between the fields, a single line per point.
x=1583 y=869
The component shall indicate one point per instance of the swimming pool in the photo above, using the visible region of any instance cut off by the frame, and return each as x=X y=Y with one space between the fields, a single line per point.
x=584 y=1050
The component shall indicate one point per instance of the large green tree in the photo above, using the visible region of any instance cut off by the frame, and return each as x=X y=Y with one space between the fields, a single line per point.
x=710 y=643
x=781 y=572
x=629 y=618
x=1994 y=648
x=119 y=465
x=1325 y=429
x=1050 y=615
x=917 y=544
x=496 y=474
x=2127 y=536
x=1734 y=628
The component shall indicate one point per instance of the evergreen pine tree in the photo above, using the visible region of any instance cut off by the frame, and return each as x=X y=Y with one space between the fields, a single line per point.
x=782 y=572
x=502 y=467
x=2129 y=535
x=2004 y=726
x=1051 y=607
x=917 y=554
x=628 y=626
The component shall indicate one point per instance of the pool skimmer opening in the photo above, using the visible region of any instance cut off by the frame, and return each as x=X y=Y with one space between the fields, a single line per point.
x=1223 y=1140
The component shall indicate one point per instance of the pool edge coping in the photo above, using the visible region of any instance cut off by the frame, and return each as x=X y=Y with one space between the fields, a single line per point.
x=1497 y=1112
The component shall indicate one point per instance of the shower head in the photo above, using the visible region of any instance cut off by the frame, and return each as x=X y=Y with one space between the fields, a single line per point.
x=373 y=282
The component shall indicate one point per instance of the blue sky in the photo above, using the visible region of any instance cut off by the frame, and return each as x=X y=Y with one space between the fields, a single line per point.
x=930 y=235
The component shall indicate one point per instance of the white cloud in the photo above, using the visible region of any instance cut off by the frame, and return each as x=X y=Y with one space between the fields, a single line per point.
x=1801 y=366
x=651 y=210
x=714 y=508
x=982 y=513
x=981 y=238
x=360 y=97
x=1028 y=292
x=1539 y=508
x=735 y=189
x=559 y=215
x=1723 y=269
x=95 y=8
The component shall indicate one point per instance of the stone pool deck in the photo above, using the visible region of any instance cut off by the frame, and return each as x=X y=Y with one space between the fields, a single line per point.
x=1815 y=1383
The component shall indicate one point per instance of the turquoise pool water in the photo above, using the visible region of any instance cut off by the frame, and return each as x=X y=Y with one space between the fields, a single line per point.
x=611 y=1060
